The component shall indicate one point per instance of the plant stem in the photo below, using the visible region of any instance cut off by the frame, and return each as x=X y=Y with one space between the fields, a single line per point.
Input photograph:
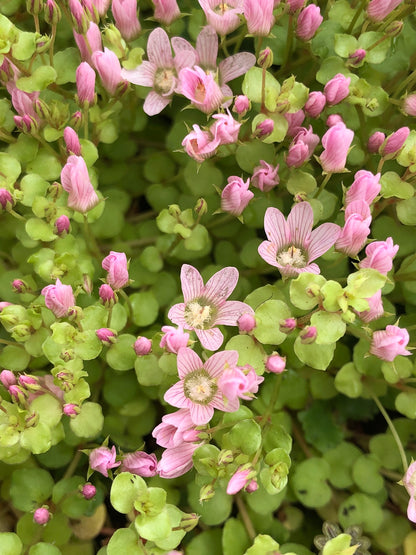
x=90 y=239
x=275 y=394
x=126 y=298
x=52 y=44
x=72 y=467
x=393 y=432
x=245 y=517
x=356 y=16
x=322 y=185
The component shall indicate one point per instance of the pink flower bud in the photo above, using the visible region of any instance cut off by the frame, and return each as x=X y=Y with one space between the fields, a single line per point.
x=166 y=11
x=295 y=5
x=125 y=16
x=259 y=16
x=236 y=196
x=6 y=199
x=142 y=346
x=19 y=286
x=109 y=69
x=276 y=364
x=225 y=129
x=140 y=463
x=28 y=381
x=200 y=88
x=246 y=323
x=264 y=128
x=295 y=121
x=116 y=265
x=174 y=339
x=241 y=105
x=337 y=89
x=265 y=176
x=356 y=229
x=26 y=124
x=90 y=43
x=308 y=335
x=375 y=142
x=380 y=255
x=252 y=486
x=3 y=305
x=85 y=77
x=59 y=298
x=288 y=325
x=377 y=10
x=315 y=104
x=89 y=491
x=409 y=105
x=70 y=409
x=366 y=187
x=238 y=481
x=336 y=143
x=106 y=336
x=103 y=459
x=76 y=182
x=62 y=225
x=7 y=378
x=41 y=516
x=17 y=394
x=355 y=58
x=107 y=294
x=200 y=144
x=333 y=119
x=375 y=308
x=395 y=141
x=72 y=141
x=389 y=343
x=302 y=147
x=308 y=22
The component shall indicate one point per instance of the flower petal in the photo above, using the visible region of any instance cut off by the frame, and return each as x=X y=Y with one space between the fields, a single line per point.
x=175 y=396
x=300 y=222
x=276 y=228
x=210 y=339
x=226 y=405
x=207 y=48
x=217 y=363
x=268 y=252
x=221 y=285
x=158 y=48
x=236 y=65
x=230 y=312
x=176 y=314
x=155 y=103
x=322 y=239
x=188 y=361
x=143 y=75
x=201 y=414
x=191 y=281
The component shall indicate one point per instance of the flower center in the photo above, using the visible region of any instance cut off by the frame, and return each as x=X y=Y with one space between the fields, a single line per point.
x=198 y=315
x=200 y=92
x=164 y=81
x=292 y=256
x=199 y=387
x=221 y=8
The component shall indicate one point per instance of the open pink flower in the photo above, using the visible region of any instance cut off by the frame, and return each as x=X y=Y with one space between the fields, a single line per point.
x=389 y=343
x=222 y=16
x=206 y=307
x=200 y=144
x=356 y=229
x=380 y=255
x=160 y=72
x=175 y=429
x=198 y=388
x=292 y=245
x=201 y=89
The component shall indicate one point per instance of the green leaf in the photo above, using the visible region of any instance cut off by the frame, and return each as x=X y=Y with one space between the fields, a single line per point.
x=361 y=510
x=248 y=155
x=9 y=170
x=145 y=308
x=125 y=490
x=38 y=81
x=365 y=283
x=340 y=546
x=10 y=544
x=329 y=327
x=300 y=182
x=319 y=426
x=309 y=482
x=154 y=528
x=305 y=290
x=126 y=541
x=268 y=316
x=246 y=435
x=14 y=358
x=315 y=355
x=405 y=403
x=341 y=459
x=366 y=474
x=234 y=537
x=43 y=548
x=279 y=130
x=66 y=62
x=406 y=211
x=148 y=371
x=348 y=381
x=46 y=165
x=214 y=511
x=393 y=186
x=30 y=487
x=121 y=355
x=25 y=46
x=344 y=45
x=89 y=422
x=263 y=544
x=48 y=408
x=377 y=54
x=249 y=352
x=205 y=543
x=39 y=230
x=252 y=87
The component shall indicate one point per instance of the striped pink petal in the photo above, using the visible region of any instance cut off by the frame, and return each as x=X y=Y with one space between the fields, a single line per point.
x=322 y=239
x=276 y=228
x=159 y=50
x=268 y=252
x=176 y=315
x=191 y=281
x=221 y=285
x=188 y=361
x=230 y=312
x=217 y=363
x=300 y=222
x=176 y=397
x=210 y=339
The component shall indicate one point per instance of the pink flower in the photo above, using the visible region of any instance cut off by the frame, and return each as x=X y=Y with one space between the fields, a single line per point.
x=375 y=142
x=125 y=16
x=116 y=265
x=264 y=128
x=76 y=182
x=302 y=147
x=356 y=229
x=200 y=144
x=103 y=459
x=308 y=22
x=336 y=143
x=198 y=388
x=315 y=104
x=239 y=382
x=72 y=141
x=206 y=307
x=236 y=196
x=101 y=6
x=41 y=516
x=409 y=482
x=246 y=323
x=259 y=16
x=7 y=378
x=23 y=103
x=378 y=9
x=105 y=335
x=238 y=481
x=106 y=294
x=175 y=429
x=88 y=491
x=295 y=5
x=85 y=77
x=201 y=89
x=109 y=69
x=375 y=308
x=295 y=121
x=140 y=463
x=6 y=199
x=59 y=298
x=409 y=105
x=142 y=346
x=275 y=363
x=241 y=105
x=166 y=11
x=225 y=129
x=389 y=343
x=333 y=119
x=174 y=339
x=288 y=325
x=176 y=461
x=292 y=245
x=308 y=335
x=62 y=225
x=366 y=186
x=90 y=43
x=265 y=176
x=355 y=58
x=222 y=16
x=337 y=89
x=380 y=255
x=395 y=141
x=70 y=409
x=160 y=72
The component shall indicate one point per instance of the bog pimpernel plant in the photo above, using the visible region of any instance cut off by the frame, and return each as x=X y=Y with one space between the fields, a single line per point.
x=207 y=277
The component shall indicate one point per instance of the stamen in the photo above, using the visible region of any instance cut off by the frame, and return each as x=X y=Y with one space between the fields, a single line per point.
x=292 y=256
x=199 y=387
x=164 y=80
x=197 y=316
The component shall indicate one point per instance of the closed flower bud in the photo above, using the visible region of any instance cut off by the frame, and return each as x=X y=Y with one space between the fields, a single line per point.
x=246 y=323
x=295 y=5
x=116 y=265
x=174 y=339
x=259 y=16
x=241 y=105
x=375 y=142
x=17 y=394
x=76 y=119
x=225 y=457
x=201 y=207
x=19 y=286
x=394 y=29
x=264 y=128
x=409 y=105
x=34 y=6
x=72 y=141
x=29 y=382
x=235 y=196
x=315 y=104
x=288 y=325
x=109 y=69
x=76 y=182
x=106 y=336
x=107 y=295
x=395 y=141
x=51 y=12
x=188 y=522
x=62 y=225
x=265 y=59
x=356 y=58
x=206 y=492
x=59 y=298
x=166 y=11
x=336 y=143
x=308 y=335
x=26 y=124
x=337 y=89
x=140 y=463
x=265 y=176
x=85 y=78
x=142 y=346
x=113 y=40
x=88 y=491
x=275 y=363
x=103 y=459
x=308 y=22
x=70 y=409
x=7 y=378
x=41 y=516
x=6 y=199
x=125 y=16
x=333 y=119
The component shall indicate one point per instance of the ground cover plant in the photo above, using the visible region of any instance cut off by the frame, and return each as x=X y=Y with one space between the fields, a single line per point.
x=207 y=285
